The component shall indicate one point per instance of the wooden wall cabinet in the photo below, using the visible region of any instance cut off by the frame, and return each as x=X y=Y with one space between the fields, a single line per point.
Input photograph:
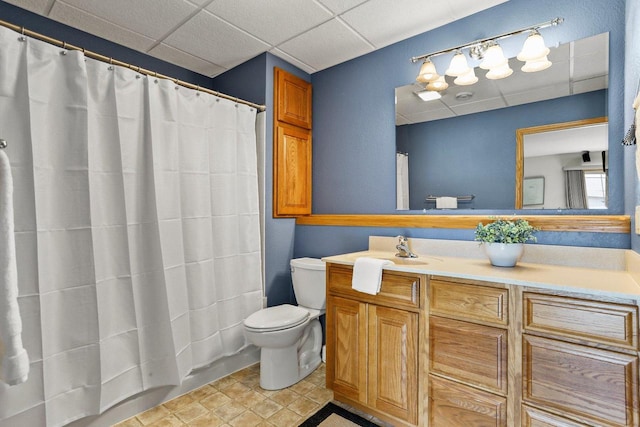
x=292 y=149
x=373 y=344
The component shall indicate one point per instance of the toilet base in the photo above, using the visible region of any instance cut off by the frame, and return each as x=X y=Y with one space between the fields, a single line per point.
x=283 y=367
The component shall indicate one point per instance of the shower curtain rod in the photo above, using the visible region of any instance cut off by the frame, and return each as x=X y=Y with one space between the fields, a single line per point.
x=110 y=60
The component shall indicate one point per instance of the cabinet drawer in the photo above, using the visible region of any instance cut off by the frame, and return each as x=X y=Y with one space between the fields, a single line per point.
x=532 y=417
x=455 y=405
x=595 y=321
x=398 y=289
x=472 y=353
x=468 y=301
x=592 y=384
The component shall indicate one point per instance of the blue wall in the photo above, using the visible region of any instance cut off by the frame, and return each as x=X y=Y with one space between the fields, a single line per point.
x=445 y=160
x=354 y=119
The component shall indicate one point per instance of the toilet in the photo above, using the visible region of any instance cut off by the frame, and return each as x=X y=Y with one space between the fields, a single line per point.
x=289 y=336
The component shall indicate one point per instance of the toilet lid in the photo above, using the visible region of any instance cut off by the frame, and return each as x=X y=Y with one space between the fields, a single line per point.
x=275 y=318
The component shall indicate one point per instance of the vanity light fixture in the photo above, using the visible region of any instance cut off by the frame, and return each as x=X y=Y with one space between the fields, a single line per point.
x=534 y=54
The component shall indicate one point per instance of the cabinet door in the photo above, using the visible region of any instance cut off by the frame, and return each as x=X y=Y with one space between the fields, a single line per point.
x=595 y=385
x=347 y=348
x=532 y=417
x=456 y=405
x=292 y=171
x=293 y=99
x=393 y=365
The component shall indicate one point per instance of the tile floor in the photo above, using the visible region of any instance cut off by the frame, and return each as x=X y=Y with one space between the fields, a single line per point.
x=238 y=401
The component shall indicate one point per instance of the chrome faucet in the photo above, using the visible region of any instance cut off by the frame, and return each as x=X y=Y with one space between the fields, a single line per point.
x=403 y=248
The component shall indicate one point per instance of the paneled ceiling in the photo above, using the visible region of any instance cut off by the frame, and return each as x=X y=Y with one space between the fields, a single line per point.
x=212 y=36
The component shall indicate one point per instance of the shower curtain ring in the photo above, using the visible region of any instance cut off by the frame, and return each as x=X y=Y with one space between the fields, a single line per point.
x=3 y=143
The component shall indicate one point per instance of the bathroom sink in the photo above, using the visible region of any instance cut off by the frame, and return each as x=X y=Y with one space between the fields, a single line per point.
x=390 y=257
x=407 y=261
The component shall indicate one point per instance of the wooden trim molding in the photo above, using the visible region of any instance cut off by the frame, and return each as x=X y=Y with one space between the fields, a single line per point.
x=584 y=223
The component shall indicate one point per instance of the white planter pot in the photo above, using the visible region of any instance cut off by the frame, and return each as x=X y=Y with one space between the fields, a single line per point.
x=504 y=254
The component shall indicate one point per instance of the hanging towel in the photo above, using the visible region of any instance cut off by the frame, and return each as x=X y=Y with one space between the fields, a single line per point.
x=446 y=202
x=367 y=274
x=13 y=356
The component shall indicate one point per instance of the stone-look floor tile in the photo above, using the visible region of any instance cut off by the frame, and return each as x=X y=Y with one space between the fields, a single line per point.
x=131 y=422
x=243 y=373
x=251 y=381
x=215 y=400
x=170 y=421
x=202 y=392
x=223 y=382
x=230 y=411
x=304 y=406
x=153 y=414
x=320 y=395
x=235 y=390
x=285 y=418
x=265 y=423
x=251 y=398
x=285 y=397
x=303 y=387
x=191 y=411
x=266 y=408
x=266 y=392
x=179 y=402
x=208 y=420
x=246 y=419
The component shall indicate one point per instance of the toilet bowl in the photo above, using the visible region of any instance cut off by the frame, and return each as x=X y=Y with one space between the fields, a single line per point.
x=289 y=336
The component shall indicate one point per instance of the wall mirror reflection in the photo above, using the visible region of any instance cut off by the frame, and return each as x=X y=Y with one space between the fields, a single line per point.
x=463 y=145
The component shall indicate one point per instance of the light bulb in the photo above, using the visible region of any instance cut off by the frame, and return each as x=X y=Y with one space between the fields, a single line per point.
x=466 y=79
x=499 y=72
x=493 y=57
x=427 y=72
x=458 y=65
x=536 y=65
x=533 y=48
x=439 y=84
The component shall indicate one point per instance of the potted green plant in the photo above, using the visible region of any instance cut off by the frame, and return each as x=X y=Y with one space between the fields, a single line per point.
x=504 y=239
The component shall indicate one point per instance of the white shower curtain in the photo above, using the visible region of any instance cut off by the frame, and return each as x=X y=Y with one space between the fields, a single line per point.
x=137 y=229
x=402 y=181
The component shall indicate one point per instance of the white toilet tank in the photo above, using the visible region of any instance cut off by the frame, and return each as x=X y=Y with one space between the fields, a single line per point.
x=309 y=282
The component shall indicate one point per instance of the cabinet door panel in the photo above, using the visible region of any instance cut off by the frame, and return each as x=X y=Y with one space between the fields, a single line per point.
x=293 y=97
x=393 y=365
x=456 y=405
x=346 y=348
x=532 y=417
x=470 y=302
x=292 y=171
x=469 y=352
x=592 y=384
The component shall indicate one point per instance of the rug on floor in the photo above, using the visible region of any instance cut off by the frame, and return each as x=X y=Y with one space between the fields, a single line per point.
x=332 y=415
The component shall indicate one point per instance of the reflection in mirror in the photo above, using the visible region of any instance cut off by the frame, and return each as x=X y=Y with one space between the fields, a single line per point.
x=463 y=144
x=571 y=159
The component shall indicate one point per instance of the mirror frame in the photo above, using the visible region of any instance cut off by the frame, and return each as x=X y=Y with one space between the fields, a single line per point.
x=520 y=134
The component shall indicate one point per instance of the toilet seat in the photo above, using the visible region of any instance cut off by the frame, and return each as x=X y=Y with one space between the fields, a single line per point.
x=276 y=318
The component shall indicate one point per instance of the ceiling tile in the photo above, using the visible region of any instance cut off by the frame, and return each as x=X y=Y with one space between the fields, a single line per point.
x=231 y=47
x=477 y=107
x=190 y=62
x=153 y=18
x=293 y=61
x=327 y=45
x=78 y=19
x=266 y=20
x=462 y=8
x=383 y=22
x=340 y=6
x=37 y=6
x=539 y=94
x=443 y=113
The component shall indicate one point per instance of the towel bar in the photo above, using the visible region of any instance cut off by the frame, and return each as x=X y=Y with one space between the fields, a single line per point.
x=468 y=198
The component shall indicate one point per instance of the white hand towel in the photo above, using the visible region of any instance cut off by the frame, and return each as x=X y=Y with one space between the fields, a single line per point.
x=446 y=202
x=367 y=274
x=13 y=356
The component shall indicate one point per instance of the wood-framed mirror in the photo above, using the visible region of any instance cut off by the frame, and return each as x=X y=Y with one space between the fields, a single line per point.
x=571 y=156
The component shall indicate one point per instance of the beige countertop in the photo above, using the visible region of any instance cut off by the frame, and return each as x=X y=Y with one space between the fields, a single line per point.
x=618 y=281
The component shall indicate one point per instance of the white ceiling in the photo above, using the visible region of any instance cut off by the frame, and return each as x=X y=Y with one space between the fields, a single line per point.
x=212 y=36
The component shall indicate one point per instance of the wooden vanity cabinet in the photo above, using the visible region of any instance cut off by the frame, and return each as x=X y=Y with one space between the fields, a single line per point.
x=468 y=353
x=373 y=344
x=580 y=361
